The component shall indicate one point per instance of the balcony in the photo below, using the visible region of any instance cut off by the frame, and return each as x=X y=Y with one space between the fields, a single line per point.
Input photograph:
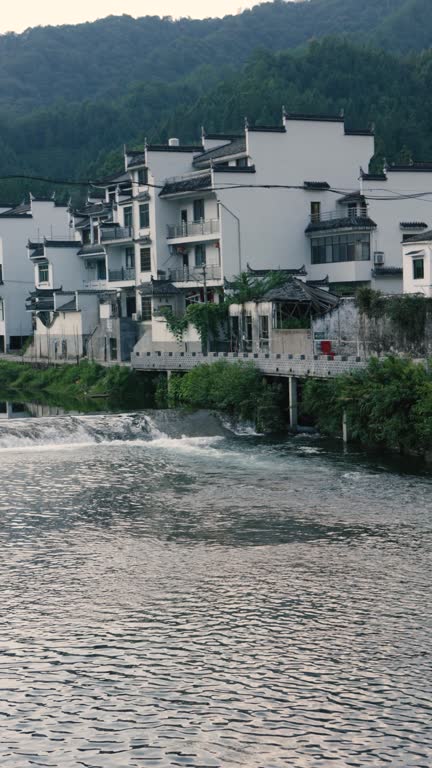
x=113 y=234
x=194 y=229
x=121 y=275
x=340 y=220
x=195 y=274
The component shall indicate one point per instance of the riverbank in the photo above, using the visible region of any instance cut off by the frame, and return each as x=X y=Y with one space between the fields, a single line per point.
x=387 y=405
x=76 y=385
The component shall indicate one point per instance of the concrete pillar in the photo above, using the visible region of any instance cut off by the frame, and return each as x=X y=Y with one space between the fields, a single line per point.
x=293 y=402
x=169 y=374
x=345 y=433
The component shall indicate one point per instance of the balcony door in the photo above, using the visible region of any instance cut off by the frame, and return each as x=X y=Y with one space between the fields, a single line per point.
x=198 y=210
x=130 y=306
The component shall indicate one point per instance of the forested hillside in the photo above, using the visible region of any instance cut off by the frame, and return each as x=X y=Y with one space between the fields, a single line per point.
x=71 y=95
x=97 y=59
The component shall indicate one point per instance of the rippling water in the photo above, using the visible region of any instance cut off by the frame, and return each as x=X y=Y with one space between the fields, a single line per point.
x=210 y=600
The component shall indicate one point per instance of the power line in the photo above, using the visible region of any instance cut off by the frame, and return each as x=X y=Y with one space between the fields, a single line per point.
x=421 y=196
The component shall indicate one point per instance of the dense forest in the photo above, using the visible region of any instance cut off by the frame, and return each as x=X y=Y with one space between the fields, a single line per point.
x=71 y=96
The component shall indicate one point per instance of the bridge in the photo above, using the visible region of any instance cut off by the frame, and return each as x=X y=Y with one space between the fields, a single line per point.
x=287 y=366
x=291 y=367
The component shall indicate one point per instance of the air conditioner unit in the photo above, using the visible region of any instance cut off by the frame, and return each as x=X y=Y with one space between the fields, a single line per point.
x=379 y=258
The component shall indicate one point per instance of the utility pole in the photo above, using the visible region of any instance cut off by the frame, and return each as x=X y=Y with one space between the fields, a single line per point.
x=205 y=343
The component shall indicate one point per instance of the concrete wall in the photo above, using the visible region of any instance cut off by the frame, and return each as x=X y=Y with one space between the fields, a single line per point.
x=18 y=273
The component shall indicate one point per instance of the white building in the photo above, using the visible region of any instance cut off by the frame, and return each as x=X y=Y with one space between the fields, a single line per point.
x=181 y=220
x=18 y=225
x=417 y=264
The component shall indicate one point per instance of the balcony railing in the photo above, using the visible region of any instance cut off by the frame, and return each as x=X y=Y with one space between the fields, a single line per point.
x=195 y=274
x=194 y=228
x=351 y=215
x=121 y=275
x=116 y=233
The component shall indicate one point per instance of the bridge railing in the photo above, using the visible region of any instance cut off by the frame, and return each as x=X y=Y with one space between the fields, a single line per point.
x=321 y=366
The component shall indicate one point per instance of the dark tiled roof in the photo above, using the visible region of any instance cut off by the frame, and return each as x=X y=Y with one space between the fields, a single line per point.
x=234 y=169
x=192 y=184
x=12 y=215
x=222 y=136
x=387 y=272
x=345 y=222
x=415 y=167
x=352 y=197
x=158 y=288
x=234 y=147
x=359 y=132
x=314 y=118
x=137 y=161
x=22 y=208
x=267 y=129
x=413 y=225
x=70 y=306
x=99 y=209
x=62 y=244
x=265 y=272
x=318 y=283
x=424 y=237
x=298 y=292
x=37 y=249
x=114 y=178
x=374 y=177
x=316 y=185
x=168 y=148
x=87 y=250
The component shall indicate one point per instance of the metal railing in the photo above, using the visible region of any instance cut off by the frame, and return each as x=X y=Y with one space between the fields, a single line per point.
x=194 y=228
x=194 y=274
x=116 y=233
x=121 y=275
x=351 y=215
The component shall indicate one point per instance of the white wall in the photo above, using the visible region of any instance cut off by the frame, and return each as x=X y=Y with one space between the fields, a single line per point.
x=18 y=273
x=421 y=250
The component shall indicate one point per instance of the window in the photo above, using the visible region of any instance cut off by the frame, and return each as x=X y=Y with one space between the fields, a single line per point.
x=130 y=257
x=198 y=210
x=143 y=176
x=354 y=246
x=145 y=260
x=200 y=255
x=101 y=270
x=352 y=210
x=1 y=274
x=264 y=331
x=418 y=269
x=113 y=348
x=144 y=216
x=1 y=310
x=127 y=216
x=146 y=308
x=315 y=208
x=43 y=271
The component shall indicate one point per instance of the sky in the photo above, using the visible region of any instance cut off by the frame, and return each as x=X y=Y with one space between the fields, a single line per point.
x=19 y=16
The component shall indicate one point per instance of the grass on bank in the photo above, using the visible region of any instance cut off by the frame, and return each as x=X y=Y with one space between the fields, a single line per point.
x=76 y=383
x=388 y=405
x=237 y=389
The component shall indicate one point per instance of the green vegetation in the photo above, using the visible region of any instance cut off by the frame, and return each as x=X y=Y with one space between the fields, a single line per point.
x=76 y=386
x=210 y=319
x=388 y=405
x=237 y=389
x=68 y=100
x=408 y=317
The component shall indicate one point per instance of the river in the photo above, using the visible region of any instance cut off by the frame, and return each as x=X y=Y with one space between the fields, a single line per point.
x=173 y=594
